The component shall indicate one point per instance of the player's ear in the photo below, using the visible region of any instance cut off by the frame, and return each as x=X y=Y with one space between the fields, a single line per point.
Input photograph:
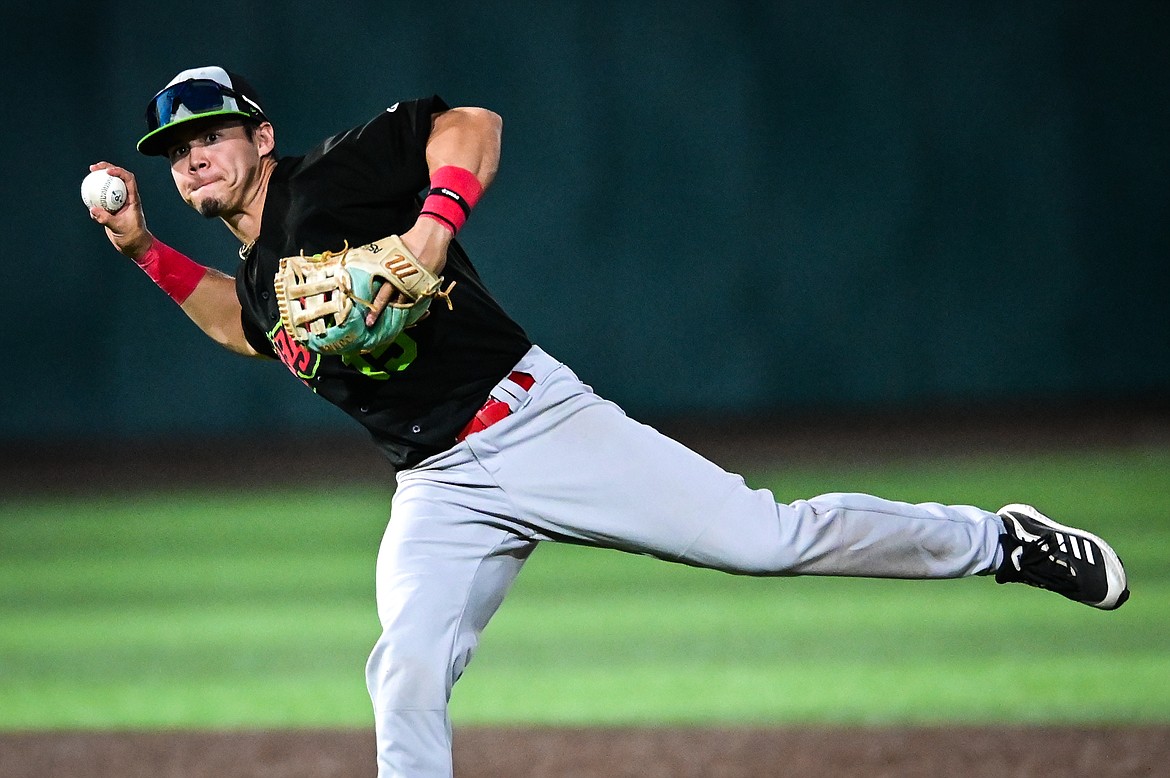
x=264 y=136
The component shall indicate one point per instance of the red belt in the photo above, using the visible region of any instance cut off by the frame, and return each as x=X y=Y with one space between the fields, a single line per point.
x=495 y=410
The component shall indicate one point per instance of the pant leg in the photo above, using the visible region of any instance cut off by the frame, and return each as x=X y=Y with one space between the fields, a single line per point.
x=443 y=568
x=568 y=465
x=577 y=468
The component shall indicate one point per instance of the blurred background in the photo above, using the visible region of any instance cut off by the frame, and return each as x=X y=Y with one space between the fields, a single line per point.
x=810 y=229
x=724 y=210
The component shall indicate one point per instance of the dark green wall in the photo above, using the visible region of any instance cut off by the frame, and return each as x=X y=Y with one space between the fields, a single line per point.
x=739 y=207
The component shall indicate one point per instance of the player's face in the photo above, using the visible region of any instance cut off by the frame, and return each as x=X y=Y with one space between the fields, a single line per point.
x=216 y=168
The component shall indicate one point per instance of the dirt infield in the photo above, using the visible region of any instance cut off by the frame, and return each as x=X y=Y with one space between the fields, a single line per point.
x=805 y=752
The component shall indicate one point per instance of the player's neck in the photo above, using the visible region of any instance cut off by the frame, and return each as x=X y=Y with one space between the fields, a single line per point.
x=245 y=221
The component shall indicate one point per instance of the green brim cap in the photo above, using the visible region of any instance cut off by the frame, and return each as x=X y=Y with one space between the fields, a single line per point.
x=156 y=142
x=199 y=93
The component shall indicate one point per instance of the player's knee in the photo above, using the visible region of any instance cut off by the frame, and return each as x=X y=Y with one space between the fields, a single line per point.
x=402 y=674
x=760 y=559
x=774 y=561
x=771 y=545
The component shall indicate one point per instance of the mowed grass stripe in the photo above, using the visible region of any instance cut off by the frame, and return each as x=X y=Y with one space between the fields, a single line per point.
x=237 y=609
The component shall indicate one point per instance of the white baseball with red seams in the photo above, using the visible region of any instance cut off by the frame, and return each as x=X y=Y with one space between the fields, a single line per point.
x=101 y=190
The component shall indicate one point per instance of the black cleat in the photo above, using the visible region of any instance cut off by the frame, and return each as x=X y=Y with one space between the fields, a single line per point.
x=1039 y=552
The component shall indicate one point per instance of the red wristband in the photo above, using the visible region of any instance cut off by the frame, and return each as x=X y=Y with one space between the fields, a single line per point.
x=175 y=274
x=454 y=192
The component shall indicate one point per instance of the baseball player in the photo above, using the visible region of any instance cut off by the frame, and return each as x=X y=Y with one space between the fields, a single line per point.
x=497 y=446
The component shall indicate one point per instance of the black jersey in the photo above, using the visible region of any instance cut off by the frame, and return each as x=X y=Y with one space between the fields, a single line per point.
x=416 y=394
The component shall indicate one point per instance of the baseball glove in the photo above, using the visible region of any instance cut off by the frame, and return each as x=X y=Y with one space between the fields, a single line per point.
x=323 y=299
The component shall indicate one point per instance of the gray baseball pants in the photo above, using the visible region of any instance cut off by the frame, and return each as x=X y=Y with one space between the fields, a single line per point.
x=570 y=466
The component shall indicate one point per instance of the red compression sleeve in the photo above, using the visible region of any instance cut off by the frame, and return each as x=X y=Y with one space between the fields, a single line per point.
x=454 y=192
x=175 y=273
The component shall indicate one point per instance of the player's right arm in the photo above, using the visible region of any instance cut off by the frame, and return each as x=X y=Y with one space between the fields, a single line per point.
x=215 y=308
x=206 y=295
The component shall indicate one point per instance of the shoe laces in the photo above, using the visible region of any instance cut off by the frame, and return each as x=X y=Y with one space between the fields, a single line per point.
x=1042 y=563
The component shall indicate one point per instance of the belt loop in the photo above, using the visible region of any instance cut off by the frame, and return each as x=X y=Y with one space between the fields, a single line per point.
x=523 y=380
x=497 y=409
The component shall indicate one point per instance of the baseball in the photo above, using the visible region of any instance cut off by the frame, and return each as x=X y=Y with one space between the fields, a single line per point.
x=101 y=189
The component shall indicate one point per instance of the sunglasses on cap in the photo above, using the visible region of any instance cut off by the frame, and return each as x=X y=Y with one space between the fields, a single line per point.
x=197 y=97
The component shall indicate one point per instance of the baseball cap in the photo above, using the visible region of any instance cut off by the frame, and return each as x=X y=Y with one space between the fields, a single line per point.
x=198 y=93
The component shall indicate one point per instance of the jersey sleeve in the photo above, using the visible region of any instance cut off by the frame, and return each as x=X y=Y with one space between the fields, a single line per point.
x=256 y=337
x=389 y=150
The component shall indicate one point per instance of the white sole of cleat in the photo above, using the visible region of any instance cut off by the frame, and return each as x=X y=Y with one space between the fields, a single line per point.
x=1118 y=590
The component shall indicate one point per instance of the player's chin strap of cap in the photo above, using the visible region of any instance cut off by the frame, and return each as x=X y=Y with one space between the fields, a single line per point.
x=504 y=400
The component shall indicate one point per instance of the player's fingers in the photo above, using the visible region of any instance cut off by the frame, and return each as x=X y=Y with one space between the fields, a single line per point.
x=381 y=300
x=122 y=173
x=125 y=175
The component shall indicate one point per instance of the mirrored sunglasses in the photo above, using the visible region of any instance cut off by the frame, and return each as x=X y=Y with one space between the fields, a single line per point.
x=194 y=97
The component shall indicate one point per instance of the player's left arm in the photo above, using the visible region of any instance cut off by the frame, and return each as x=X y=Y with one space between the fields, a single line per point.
x=465 y=138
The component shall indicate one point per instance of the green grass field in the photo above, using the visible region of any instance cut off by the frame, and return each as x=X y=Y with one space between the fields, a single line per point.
x=233 y=609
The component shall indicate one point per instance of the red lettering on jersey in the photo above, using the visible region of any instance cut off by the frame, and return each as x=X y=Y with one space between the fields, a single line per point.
x=300 y=360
